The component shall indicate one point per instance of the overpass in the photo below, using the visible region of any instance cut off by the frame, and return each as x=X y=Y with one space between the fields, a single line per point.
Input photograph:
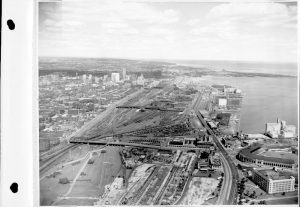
x=150 y=108
x=123 y=144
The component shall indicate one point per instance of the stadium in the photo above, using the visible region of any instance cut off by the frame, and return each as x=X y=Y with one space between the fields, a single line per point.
x=275 y=156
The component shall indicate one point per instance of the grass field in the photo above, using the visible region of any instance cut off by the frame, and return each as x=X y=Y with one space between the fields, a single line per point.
x=284 y=155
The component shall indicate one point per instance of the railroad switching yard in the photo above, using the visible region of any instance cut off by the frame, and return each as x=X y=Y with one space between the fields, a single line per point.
x=170 y=144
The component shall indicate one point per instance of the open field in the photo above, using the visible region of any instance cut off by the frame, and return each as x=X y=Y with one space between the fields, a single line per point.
x=90 y=182
x=199 y=190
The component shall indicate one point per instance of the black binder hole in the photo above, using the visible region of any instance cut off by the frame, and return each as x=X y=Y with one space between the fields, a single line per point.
x=14 y=187
x=11 y=24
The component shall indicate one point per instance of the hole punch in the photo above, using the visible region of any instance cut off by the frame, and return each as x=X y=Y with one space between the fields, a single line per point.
x=11 y=24
x=14 y=187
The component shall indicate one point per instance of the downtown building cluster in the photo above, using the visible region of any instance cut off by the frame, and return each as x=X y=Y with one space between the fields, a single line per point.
x=67 y=102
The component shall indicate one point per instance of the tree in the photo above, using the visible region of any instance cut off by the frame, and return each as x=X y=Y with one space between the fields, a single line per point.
x=247 y=193
x=239 y=166
x=283 y=193
x=262 y=202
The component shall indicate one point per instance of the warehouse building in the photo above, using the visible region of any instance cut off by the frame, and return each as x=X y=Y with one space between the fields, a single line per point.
x=272 y=181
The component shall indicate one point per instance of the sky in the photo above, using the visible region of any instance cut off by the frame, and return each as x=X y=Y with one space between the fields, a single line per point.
x=169 y=30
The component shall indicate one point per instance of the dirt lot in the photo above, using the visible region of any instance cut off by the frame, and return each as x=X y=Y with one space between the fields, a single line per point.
x=199 y=190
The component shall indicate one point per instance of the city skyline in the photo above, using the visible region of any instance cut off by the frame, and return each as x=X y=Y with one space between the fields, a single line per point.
x=200 y=31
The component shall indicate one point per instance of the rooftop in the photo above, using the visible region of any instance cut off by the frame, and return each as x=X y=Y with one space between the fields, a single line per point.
x=272 y=174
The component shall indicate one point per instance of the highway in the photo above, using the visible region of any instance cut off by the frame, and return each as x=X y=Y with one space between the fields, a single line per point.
x=228 y=194
x=229 y=188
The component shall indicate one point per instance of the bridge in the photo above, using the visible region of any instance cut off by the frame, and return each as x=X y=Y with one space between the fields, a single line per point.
x=123 y=144
x=150 y=108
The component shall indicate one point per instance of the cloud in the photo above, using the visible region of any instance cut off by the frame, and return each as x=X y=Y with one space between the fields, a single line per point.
x=193 y=22
x=234 y=20
x=159 y=31
x=169 y=30
x=259 y=14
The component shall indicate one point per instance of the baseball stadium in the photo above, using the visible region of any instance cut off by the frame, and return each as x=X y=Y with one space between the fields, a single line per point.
x=275 y=156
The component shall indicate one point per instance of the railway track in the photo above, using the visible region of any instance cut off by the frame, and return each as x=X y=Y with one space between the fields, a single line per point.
x=145 y=185
x=46 y=164
x=161 y=193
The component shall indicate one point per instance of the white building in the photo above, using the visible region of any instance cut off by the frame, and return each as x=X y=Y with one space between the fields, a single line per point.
x=105 y=77
x=115 y=77
x=273 y=129
x=280 y=129
x=90 y=78
x=124 y=73
x=84 y=78
x=97 y=79
x=222 y=102
x=274 y=182
x=140 y=80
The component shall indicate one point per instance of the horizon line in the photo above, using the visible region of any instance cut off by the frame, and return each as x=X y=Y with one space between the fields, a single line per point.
x=172 y=59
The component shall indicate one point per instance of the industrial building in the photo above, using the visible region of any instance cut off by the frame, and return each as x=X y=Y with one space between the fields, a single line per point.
x=280 y=129
x=273 y=181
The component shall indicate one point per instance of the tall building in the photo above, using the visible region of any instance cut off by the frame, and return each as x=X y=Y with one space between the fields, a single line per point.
x=84 y=78
x=115 y=77
x=97 y=79
x=272 y=181
x=90 y=78
x=105 y=77
x=124 y=73
x=140 y=80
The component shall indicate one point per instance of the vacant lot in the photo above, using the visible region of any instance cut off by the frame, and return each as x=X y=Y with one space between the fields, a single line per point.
x=199 y=190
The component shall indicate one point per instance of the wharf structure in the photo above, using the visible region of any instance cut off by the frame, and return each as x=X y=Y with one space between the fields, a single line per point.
x=225 y=108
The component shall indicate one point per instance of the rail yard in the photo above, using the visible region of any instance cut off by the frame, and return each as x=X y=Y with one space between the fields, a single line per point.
x=155 y=146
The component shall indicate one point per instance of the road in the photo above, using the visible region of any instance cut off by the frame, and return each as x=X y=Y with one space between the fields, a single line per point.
x=87 y=157
x=228 y=192
x=275 y=198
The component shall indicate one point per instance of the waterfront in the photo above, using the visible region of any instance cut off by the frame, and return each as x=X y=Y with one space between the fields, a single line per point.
x=243 y=66
x=265 y=100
